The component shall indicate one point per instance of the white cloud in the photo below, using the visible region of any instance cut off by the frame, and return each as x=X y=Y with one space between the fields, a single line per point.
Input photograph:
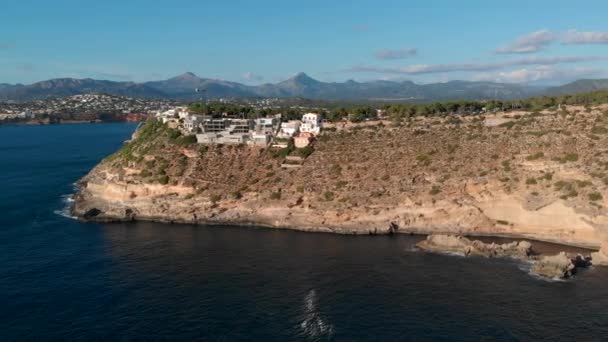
x=470 y=67
x=249 y=76
x=389 y=54
x=590 y=37
x=541 y=73
x=529 y=43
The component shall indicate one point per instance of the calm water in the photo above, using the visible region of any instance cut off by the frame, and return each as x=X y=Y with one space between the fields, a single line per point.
x=61 y=280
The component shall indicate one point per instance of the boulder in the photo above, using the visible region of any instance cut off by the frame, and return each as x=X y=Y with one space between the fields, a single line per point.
x=462 y=245
x=599 y=258
x=559 y=266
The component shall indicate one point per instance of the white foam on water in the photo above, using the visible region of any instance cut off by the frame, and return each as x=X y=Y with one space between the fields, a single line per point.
x=67 y=201
x=313 y=324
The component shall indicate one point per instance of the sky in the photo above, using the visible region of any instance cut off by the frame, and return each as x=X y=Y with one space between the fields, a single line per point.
x=260 y=41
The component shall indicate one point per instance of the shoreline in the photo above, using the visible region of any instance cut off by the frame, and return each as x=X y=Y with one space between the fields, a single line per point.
x=325 y=230
x=64 y=123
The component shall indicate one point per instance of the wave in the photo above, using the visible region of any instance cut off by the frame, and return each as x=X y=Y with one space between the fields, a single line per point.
x=313 y=324
x=65 y=211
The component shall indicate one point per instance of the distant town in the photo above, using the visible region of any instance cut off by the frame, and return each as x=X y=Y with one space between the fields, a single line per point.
x=99 y=108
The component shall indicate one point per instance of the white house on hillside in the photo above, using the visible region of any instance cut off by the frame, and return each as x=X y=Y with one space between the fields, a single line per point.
x=311 y=123
x=289 y=129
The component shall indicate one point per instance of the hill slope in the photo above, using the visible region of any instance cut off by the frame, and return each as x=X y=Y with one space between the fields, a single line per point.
x=70 y=86
x=541 y=175
x=580 y=86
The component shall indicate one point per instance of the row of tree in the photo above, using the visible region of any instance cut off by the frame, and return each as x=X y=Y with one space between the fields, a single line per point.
x=400 y=111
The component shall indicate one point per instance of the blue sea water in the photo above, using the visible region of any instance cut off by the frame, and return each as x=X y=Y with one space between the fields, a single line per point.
x=61 y=280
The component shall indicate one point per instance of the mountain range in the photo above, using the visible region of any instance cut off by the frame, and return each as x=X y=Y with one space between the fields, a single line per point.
x=189 y=87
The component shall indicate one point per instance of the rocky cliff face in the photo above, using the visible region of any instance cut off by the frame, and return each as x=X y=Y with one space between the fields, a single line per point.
x=535 y=175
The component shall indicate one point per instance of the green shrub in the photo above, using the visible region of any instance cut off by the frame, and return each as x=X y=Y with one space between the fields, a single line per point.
x=215 y=198
x=535 y=156
x=275 y=195
x=508 y=124
x=185 y=140
x=341 y=184
x=423 y=159
x=547 y=176
x=173 y=133
x=305 y=152
x=435 y=190
x=595 y=196
x=599 y=130
x=583 y=184
x=570 y=157
x=164 y=179
x=530 y=181
x=328 y=196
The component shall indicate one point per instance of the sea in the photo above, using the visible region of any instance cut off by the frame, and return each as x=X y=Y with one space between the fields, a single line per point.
x=63 y=280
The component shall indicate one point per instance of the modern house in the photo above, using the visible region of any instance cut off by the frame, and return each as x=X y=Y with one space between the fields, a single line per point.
x=192 y=122
x=265 y=125
x=311 y=123
x=289 y=129
x=225 y=131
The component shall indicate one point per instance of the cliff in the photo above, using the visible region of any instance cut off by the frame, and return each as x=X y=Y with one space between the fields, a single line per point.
x=535 y=175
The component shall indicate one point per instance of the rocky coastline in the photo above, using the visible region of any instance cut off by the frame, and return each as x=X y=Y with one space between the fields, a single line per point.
x=536 y=176
x=559 y=266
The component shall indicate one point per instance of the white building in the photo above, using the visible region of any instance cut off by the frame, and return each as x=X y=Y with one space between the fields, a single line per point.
x=177 y=112
x=289 y=129
x=311 y=123
x=225 y=131
x=265 y=125
x=27 y=114
x=261 y=139
x=191 y=123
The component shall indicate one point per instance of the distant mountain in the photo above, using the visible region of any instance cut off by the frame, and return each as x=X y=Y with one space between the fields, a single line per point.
x=189 y=87
x=580 y=86
x=70 y=86
x=183 y=87
x=302 y=85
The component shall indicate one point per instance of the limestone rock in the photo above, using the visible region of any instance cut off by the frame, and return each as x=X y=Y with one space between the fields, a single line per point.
x=559 y=266
x=462 y=245
x=599 y=258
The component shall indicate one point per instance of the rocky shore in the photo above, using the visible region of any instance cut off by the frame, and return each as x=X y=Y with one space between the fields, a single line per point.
x=539 y=176
x=560 y=266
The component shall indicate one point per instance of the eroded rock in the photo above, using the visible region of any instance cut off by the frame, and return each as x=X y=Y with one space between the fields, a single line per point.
x=462 y=245
x=559 y=266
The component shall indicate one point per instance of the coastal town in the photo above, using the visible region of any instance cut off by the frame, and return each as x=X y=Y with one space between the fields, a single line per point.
x=82 y=107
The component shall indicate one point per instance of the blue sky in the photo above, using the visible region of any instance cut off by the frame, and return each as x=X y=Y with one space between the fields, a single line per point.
x=268 y=41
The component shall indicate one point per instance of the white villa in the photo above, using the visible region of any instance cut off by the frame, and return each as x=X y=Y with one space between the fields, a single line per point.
x=311 y=123
x=177 y=112
x=265 y=125
x=192 y=122
x=289 y=129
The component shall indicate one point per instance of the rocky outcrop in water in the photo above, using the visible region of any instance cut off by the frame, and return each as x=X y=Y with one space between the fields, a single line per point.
x=464 y=246
x=559 y=266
